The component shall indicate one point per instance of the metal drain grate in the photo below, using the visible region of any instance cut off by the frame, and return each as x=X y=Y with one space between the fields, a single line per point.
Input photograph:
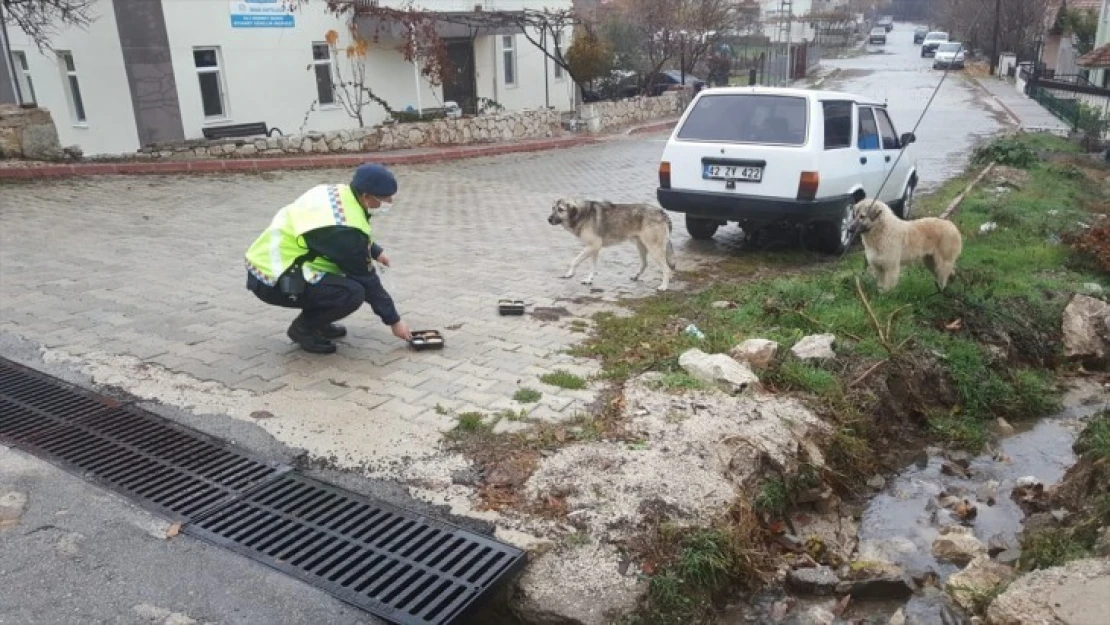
x=401 y=566
x=30 y=403
x=162 y=466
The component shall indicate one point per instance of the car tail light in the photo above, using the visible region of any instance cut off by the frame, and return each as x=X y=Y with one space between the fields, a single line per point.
x=665 y=175
x=807 y=185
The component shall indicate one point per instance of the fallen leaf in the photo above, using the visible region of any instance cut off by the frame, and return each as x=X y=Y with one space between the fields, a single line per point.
x=561 y=435
x=842 y=605
x=174 y=530
x=648 y=567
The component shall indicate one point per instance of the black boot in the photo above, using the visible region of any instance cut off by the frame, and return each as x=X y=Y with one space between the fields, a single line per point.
x=310 y=341
x=334 y=331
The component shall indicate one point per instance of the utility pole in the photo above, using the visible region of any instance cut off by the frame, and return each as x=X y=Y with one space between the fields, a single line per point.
x=994 y=46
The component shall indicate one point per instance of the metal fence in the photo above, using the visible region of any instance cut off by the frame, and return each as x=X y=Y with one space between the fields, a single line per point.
x=1084 y=113
x=775 y=67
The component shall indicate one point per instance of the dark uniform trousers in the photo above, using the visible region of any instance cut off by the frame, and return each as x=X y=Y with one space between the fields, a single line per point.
x=331 y=299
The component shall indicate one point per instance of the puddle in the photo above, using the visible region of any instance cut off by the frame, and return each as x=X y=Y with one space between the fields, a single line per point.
x=900 y=523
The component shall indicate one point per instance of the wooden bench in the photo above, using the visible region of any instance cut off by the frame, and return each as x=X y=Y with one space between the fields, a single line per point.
x=238 y=130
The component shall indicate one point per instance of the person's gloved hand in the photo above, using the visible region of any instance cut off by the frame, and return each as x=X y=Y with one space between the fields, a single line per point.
x=401 y=331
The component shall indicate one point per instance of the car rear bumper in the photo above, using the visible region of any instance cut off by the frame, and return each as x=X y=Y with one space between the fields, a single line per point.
x=940 y=63
x=733 y=207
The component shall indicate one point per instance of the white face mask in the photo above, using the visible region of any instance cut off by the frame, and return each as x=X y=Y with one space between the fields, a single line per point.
x=378 y=212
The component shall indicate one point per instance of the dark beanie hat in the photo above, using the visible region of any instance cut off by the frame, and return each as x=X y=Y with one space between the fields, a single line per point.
x=374 y=179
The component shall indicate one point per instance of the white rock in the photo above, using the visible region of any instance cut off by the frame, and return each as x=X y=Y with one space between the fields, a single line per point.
x=990 y=226
x=958 y=545
x=1086 y=326
x=814 y=347
x=757 y=353
x=1073 y=594
x=980 y=578
x=719 y=370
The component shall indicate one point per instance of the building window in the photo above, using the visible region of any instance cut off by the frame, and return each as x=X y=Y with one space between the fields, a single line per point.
x=23 y=75
x=207 y=61
x=72 y=88
x=508 y=55
x=559 y=68
x=322 y=64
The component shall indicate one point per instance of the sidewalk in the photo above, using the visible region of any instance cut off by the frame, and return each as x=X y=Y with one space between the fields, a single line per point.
x=33 y=170
x=1026 y=112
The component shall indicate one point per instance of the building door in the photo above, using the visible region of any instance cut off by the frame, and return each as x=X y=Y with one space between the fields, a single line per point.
x=459 y=85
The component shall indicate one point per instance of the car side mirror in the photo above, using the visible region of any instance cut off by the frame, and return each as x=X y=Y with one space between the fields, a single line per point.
x=908 y=138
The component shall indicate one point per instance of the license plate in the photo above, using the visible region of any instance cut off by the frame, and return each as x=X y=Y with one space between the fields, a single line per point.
x=732 y=172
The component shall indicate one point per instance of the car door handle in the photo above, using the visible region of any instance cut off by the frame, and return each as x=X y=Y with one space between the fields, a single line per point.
x=888 y=158
x=863 y=160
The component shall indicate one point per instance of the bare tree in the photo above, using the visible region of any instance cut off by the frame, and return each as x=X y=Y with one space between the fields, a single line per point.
x=703 y=24
x=40 y=19
x=972 y=22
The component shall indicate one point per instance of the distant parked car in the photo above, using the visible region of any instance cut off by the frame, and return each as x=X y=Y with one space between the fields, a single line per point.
x=667 y=79
x=932 y=41
x=887 y=22
x=919 y=34
x=949 y=54
x=878 y=35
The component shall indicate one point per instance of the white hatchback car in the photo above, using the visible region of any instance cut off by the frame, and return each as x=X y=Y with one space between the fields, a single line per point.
x=759 y=155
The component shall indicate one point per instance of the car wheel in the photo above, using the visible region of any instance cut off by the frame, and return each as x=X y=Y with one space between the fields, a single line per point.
x=700 y=228
x=835 y=237
x=907 y=202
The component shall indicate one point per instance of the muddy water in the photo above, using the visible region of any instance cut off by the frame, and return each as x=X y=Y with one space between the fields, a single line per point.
x=900 y=523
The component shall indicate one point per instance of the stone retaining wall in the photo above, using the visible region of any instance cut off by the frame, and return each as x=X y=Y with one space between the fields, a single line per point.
x=28 y=133
x=600 y=116
x=514 y=126
x=442 y=132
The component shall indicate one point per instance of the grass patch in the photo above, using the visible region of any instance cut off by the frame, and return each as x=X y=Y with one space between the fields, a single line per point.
x=969 y=433
x=527 y=395
x=1094 y=440
x=1050 y=547
x=943 y=365
x=471 y=423
x=689 y=568
x=564 y=379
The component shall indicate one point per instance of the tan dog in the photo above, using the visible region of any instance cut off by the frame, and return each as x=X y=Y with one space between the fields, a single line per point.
x=890 y=243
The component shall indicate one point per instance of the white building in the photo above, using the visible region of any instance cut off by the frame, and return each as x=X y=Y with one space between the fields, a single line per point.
x=163 y=70
x=787 y=18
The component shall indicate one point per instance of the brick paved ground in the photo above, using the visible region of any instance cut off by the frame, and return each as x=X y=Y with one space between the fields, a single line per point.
x=142 y=278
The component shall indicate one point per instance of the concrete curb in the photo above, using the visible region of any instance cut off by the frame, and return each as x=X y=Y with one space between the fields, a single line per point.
x=239 y=165
x=1009 y=111
x=835 y=71
x=658 y=126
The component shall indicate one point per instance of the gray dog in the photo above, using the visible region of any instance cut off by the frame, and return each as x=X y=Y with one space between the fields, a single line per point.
x=603 y=224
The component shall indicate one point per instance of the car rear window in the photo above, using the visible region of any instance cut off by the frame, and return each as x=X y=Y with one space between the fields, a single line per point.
x=838 y=125
x=747 y=118
x=949 y=47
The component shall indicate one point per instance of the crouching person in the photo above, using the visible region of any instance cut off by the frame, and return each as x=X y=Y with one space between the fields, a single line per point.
x=316 y=256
